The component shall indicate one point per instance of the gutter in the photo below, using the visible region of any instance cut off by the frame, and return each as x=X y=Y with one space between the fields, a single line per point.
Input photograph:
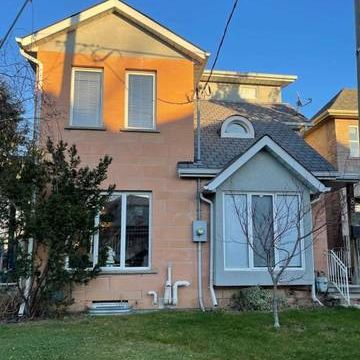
x=211 y=252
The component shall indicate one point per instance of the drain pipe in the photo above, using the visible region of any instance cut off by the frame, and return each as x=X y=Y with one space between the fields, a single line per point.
x=211 y=252
x=38 y=89
x=37 y=111
x=314 y=298
x=176 y=285
x=199 y=249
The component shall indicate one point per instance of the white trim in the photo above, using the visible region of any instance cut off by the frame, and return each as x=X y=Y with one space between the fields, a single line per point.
x=354 y=141
x=251 y=266
x=266 y=142
x=72 y=93
x=126 y=11
x=126 y=107
x=241 y=120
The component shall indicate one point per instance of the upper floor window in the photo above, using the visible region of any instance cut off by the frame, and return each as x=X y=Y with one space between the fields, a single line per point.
x=86 y=98
x=354 y=141
x=140 y=100
x=237 y=127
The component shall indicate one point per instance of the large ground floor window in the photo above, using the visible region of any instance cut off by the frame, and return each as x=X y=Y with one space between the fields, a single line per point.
x=262 y=230
x=123 y=239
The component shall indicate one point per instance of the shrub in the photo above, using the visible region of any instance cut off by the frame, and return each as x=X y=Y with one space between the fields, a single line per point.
x=10 y=301
x=254 y=299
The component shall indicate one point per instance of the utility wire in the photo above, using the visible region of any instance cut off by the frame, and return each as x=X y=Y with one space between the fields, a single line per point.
x=13 y=23
x=221 y=43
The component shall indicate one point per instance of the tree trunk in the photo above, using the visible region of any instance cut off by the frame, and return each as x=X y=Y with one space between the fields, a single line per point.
x=275 y=306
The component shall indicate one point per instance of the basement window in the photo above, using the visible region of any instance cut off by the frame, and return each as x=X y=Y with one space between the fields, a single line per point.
x=237 y=126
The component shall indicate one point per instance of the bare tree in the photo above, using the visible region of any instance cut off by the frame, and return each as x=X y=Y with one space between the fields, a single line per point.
x=278 y=229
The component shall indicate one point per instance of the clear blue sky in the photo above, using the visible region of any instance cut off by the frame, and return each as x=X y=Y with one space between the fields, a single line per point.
x=313 y=39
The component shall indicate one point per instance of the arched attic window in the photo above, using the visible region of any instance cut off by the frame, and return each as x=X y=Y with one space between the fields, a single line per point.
x=237 y=126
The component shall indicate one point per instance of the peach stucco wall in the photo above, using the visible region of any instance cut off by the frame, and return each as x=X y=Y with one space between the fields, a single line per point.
x=141 y=161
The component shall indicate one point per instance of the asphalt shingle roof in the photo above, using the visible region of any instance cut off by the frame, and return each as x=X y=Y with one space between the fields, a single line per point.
x=267 y=119
x=345 y=99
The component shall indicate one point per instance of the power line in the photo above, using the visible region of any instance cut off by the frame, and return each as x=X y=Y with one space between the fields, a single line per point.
x=13 y=23
x=221 y=43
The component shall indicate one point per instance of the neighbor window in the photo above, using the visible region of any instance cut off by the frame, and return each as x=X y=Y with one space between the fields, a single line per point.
x=140 y=100
x=354 y=141
x=262 y=229
x=86 y=99
x=123 y=239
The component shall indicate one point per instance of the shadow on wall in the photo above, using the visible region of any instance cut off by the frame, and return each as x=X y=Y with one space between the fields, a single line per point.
x=231 y=92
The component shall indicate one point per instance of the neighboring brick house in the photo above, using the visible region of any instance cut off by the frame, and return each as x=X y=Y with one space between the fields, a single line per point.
x=335 y=135
x=114 y=81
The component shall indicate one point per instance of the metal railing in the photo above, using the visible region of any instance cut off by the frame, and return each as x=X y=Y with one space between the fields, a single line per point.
x=338 y=275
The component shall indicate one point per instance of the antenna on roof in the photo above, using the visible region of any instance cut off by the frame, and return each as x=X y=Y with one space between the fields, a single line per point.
x=300 y=103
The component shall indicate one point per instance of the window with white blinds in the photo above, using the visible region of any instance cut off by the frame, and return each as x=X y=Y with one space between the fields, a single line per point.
x=86 y=98
x=140 y=100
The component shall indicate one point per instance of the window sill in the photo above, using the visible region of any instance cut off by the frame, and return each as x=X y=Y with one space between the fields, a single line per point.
x=85 y=128
x=114 y=271
x=155 y=131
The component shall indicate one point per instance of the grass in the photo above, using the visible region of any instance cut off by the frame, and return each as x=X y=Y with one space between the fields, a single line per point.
x=317 y=334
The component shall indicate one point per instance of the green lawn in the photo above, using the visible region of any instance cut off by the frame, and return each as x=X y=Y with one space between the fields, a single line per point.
x=322 y=334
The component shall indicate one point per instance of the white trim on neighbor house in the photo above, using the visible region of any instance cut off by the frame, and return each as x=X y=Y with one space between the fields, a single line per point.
x=250 y=254
x=126 y=108
x=125 y=10
x=267 y=143
x=242 y=121
x=250 y=78
x=72 y=93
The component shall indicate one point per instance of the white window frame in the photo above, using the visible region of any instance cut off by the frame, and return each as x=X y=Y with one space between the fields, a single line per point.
x=251 y=266
x=354 y=141
x=146 y=73
x=72 y=93
x=122 y=267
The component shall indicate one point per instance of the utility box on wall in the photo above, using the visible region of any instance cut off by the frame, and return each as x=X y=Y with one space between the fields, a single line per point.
x=199 y=231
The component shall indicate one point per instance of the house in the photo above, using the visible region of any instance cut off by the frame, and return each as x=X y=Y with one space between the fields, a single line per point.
x=113 y=81
x=335 y=135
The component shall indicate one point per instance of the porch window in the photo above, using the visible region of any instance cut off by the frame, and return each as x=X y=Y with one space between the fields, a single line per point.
x=261 y=229
x=123 y=240
x=140 y=100
x=354 y=141
x=86 y=98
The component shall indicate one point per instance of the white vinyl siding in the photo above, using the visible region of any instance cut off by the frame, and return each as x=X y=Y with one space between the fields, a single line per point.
x=140 y=100
x=86 y=100
x=354 y=141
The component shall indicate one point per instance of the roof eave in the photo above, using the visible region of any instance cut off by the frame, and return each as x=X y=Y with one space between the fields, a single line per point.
x=184 y=46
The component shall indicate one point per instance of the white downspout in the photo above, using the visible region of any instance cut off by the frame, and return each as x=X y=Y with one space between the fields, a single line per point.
x=175 y=290
x=38 y=89
x=37 y=111
x=314 y=298
x=211 y=251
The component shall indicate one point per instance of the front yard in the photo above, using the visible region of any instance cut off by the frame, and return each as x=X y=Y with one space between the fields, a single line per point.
x=321 y=334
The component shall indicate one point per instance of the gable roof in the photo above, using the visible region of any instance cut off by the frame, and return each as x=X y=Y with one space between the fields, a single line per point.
x=150 y=25
x=274 y=120
x=345 y=102
x=266 y=143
